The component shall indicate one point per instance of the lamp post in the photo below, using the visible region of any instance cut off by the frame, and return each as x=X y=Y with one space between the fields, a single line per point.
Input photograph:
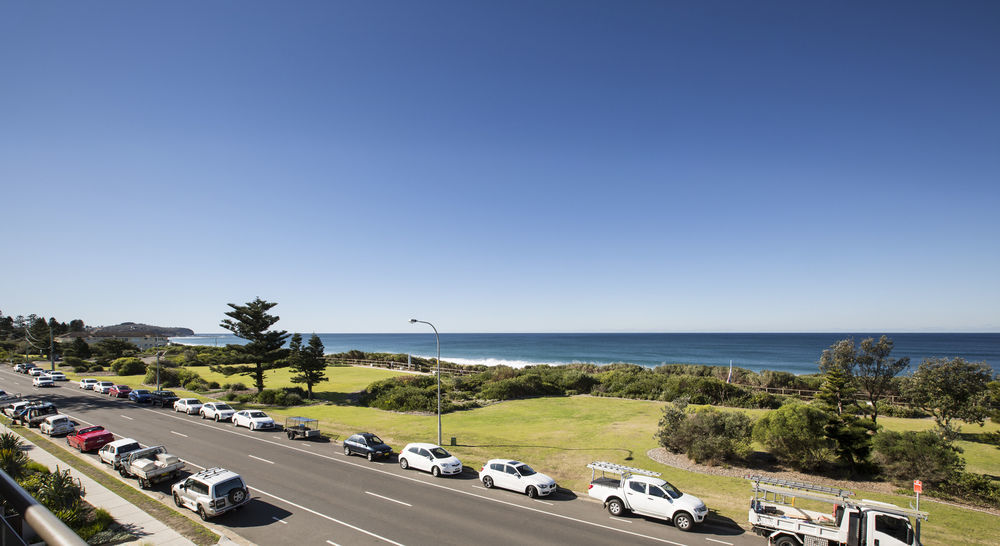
x=158 y=354
x=437 y=339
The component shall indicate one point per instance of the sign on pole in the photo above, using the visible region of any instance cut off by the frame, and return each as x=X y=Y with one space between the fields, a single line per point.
x=918 y=486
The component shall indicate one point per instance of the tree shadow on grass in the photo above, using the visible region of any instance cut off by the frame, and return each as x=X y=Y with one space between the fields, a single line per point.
x=990 y=438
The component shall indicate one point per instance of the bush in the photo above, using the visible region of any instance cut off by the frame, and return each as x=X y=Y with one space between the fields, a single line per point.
x=794 y=433
x=908 y=412
x=73 y=362
x=292 y=399
x=172 y=377
x=710 y=436
x=128 y=366
x=196 y=385
x=234 y=387
x=95 y=367
x=904 y=456
x=973 y=487
x=270 y=397
x=214 y=385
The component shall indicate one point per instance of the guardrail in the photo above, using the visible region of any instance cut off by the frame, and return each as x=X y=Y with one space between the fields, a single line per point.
x=22 y=509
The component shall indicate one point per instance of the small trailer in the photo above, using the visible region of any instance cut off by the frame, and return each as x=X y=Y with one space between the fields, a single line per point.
x=851 y=522
x=301 y=427
x=150 y=465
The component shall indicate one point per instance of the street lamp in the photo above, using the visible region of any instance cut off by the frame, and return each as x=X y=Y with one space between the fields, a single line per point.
x=438 y=340
x=158 y=355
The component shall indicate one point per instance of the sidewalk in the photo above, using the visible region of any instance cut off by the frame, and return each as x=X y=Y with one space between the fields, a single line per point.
x=146 y=528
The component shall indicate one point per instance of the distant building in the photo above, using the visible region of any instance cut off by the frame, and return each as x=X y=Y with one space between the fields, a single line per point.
x=140 y=341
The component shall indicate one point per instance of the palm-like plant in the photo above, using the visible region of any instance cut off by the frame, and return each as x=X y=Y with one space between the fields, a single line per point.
x=60 y=491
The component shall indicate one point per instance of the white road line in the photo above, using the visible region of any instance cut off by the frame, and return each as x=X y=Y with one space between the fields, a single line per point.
x=332 y=542
x=324 y=516
x=127 y=417
x=719 y=541
x=178 y=433
x=543 y=502
x=388 y=499
x=620 y=519
x=279 y=520
x=259 y=459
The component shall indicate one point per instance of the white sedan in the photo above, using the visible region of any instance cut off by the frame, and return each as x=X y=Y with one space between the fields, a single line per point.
x=88 y=384
x=35 y=372
x=216 y=410
x=429 y=458
x=58 y=376
x=516 y=476
x=56 y=424
x=190 y=406
x=253 y=420
x=42 y=381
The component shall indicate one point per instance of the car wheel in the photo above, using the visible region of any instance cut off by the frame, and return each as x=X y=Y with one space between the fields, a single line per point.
x=201 y=513
x=143 y=483
x=435 y=471
x=371 y=456
x=531 y=492
x=403 y=464
x=347 y=451
x=683 y=521
x=237 y=496
x=251 y=427
x=487 y=482
x=786 y=541
x=202 y=414
x=177 y=499
x=216 y=418
x=121 y=470
x=290 y=435
x=615 y=507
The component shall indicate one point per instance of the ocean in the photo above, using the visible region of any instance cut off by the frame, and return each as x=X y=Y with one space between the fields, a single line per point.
x=796 y=353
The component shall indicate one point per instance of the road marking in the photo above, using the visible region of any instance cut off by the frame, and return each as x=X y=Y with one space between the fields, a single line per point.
x=324 y=516
x=259 y=459
x=279 y=520
x=719 y=541
x=127 y=417
x=388 y=499
x=620 y=519
x=332 y=542
x=178 y=433
x=543 y=502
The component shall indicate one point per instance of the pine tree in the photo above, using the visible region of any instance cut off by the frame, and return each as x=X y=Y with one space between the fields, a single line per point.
x=252 y=322
x=310 y=364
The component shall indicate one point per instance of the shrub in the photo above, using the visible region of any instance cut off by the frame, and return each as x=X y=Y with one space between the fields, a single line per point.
x=95 y=367
x=977 y=488
x=196 y=385
x=172 y=377
x=794 y=433
x=292 y=399
x=234 y=387
x=81 y=368
x=72 y=361
x=711 y=436
x=673 y=415
x=128 y=366
x=904 y=456
x=214 y=385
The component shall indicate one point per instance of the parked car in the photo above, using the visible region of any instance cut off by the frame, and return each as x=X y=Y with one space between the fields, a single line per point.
x=103 y=387
x=516 y=476
x=643 y=492
x=120 y=391
x=368 y=445
x=216 y=410
x=23 y=367
x=34 y=372
x=58 y=376
x=429 y=458
x=164 y=399
x=253 y=420
x=56 y=424
x=10 y=410
x=33 y=414
x=42 y=381
x=140 y=396
x=150 y=465
x=189 y=406
x=211 y=492
x=113 y=452
x=88 y=384
x=89 y=438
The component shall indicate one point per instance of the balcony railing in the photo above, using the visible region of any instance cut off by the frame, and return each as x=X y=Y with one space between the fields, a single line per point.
x=24 y=519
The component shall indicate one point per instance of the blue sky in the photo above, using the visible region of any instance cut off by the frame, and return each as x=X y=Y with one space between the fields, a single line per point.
x=522 y=167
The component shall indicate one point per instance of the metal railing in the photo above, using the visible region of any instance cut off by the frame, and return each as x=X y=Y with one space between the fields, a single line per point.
x=21 y=510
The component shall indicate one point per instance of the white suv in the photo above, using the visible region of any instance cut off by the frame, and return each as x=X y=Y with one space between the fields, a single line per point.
x=216 y=410
x=429 y=458
x=211 y=492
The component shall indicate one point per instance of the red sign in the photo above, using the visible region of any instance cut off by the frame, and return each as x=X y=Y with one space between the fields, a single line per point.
x=918 y=486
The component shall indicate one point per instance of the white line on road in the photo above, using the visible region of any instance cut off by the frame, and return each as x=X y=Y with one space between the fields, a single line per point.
x=178 y=433
x=332 y=542
x=279 y=520
x=543 y=502
x=719 y=541
x=129 y=418
x=388 y=499
x=619 y=519
x=324 y=516
x=259 y=459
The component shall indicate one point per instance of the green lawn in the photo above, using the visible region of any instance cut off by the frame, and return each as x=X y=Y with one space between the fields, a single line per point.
x=559 y=436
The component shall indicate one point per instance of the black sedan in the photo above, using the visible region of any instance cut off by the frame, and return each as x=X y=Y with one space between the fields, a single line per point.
x=367 y=444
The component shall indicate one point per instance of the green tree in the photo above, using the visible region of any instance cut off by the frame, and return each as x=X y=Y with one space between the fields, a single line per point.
x=252 y=323
x=79 y=348
x=110 y=349
x=310 y=365
x=951 y=389
x=926 y=456
x=876 y=370
x=794 y=433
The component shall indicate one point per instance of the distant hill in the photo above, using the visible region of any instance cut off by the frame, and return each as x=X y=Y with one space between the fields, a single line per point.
x=132 y=329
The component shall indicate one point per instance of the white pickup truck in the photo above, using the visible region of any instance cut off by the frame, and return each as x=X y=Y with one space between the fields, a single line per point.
x=150 y=465
x=643 y=492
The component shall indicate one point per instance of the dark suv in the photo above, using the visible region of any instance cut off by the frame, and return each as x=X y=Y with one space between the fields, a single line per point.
x=164 y=399
x=367 y=444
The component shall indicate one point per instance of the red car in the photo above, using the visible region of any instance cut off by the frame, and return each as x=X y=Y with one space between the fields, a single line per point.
x=120 y=391
x=90 y=438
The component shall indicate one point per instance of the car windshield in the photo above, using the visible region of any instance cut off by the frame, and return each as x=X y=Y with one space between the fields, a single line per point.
x=166 y=393
x=190 y=401
x=524 y=470
x=225 y=487
x=376 y=440
x=440 y=453
x=128 y=447
x=671 y=490
x=122 y=387
x=141 y=391
x=222 y=406
x=258 y=415
x=90 y=429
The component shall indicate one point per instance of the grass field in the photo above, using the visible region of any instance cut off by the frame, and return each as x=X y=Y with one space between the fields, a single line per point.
x=559 y=436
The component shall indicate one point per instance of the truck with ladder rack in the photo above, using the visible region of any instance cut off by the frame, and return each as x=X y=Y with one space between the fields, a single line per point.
x=851 y=522
x=643 y=492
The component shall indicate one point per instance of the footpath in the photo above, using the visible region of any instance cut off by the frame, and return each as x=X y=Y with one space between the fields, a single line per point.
x=145 y=527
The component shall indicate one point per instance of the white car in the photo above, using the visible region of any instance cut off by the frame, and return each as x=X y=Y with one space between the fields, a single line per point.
x=103 y=386
x=56 y=424
x=429 y=458
x=35 y=372
x=12 y=409
x=58 y=376
x=88 y=384
x=253 y=420
x=42 y=381
x=516 y=476
x=189 y=406
x=216 y=410
x=112 y=453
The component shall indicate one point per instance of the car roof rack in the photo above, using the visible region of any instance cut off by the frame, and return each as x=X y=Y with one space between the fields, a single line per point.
x=792 y=484
x=621 y=469
x=214 y=471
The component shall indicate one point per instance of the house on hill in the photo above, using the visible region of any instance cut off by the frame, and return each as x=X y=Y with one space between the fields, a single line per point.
x=142 y=336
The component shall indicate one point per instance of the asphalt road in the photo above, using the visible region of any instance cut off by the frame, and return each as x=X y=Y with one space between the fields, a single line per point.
x=309 y=492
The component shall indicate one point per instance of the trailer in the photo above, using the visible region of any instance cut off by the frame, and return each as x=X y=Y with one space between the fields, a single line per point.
x=774 y=515
x=301 y=427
